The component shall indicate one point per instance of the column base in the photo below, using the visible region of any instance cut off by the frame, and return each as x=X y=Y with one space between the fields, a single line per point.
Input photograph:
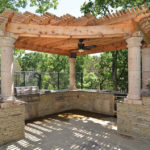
x=72 y=88
x=132 y=101
x=9 y=99
x=6 y=103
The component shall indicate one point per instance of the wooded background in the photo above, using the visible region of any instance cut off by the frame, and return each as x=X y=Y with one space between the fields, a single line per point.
x=107 y=71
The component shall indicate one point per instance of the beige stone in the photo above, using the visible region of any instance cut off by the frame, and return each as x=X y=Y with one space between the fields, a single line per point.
x=72 y=85
x=134 y=66
x=70 y=100
x=12 y=123
x=133 y=119
x=7 y=84
x=145 y=70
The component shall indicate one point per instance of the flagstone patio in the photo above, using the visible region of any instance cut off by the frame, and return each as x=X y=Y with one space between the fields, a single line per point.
x=75 y=130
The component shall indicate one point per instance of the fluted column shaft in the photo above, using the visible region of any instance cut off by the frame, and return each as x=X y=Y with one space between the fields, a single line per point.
x=7 y=68
x=134 y=66
x=145 y=67
x=72 y=85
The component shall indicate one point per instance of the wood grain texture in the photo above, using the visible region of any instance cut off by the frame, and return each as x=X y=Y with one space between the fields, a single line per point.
x=59 y=35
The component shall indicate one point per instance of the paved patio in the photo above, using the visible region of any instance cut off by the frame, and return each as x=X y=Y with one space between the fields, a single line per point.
x=75 y=130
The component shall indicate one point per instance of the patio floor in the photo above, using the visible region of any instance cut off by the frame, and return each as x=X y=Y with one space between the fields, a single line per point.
x=75 y=130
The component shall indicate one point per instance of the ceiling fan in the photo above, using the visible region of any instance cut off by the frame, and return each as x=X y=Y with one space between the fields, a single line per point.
x=81 y=47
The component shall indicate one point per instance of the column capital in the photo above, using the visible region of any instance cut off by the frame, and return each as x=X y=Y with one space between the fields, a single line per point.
x=134 y=40
x=7 y=39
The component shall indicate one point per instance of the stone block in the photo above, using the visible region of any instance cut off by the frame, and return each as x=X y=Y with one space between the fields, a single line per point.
x=134 y=120
x=146 y=100
x=12 y=123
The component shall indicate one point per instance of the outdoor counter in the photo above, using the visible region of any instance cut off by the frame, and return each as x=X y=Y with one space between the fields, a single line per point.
x=39 y=105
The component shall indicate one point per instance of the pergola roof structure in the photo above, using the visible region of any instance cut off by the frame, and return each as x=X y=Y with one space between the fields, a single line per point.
x=59 y=35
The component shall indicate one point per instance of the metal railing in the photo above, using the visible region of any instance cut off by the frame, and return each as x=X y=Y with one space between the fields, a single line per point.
x=58 y=80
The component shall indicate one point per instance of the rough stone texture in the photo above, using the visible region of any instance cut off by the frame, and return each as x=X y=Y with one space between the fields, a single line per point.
x=7 y=69
x=145 y=70
x=46 y=104
x=145 y=66
x=146 y=101
x=134 y=119
x=134 y=66
x=75 y=130
x=11 y=123
x=72 y=80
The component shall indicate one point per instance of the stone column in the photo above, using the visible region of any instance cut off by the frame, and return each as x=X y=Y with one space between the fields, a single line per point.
x=7 y=83
x=134 y=68
x=72 y=85
x=145 y=70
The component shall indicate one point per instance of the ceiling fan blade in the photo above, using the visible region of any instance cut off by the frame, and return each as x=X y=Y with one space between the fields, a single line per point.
x=91 y=46
x=86 y=48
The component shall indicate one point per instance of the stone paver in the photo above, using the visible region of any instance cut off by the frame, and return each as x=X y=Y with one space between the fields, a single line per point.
x=75 y=131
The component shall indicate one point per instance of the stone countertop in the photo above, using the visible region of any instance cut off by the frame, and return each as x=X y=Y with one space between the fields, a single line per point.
x=81 y=90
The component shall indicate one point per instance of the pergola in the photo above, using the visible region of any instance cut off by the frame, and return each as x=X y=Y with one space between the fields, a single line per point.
x=59 y=35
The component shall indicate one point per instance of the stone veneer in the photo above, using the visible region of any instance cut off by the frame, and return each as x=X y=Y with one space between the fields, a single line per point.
x=11 y=123
x=134 y=120
x=55 y=102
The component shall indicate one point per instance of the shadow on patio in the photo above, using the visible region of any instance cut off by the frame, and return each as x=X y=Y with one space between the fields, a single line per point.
x=75 y=130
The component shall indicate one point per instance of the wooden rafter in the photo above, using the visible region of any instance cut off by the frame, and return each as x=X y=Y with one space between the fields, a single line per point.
x=58 y=35
x=139 y=28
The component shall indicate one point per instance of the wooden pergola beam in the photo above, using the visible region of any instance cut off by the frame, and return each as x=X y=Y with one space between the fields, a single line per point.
x=42 y=49
x=69 y=31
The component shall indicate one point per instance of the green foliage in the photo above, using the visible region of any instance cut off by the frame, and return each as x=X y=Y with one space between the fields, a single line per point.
x=41 y=62
x=81 y=63
x=105 y=71
x=46 y=64
x=44 y=5
x=97 y=71
x=113 y=66
x=91 y=81
x=103 y=7
x=41 y=5
x=148 y=85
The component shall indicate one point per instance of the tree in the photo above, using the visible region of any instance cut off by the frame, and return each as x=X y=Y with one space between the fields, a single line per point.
x=118 y=58
x=80 y=67
x=103 y=7
x=46 y=68
x=106 y=73
x=42 y=5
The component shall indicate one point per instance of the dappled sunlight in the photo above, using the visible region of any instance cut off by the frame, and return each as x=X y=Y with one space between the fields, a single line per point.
x=39 y=127
x=104 y=123
x=24 y=143
x=13 y=147
x=34 y=131
x=73 y=131
x=32 y=137
x=38 y=148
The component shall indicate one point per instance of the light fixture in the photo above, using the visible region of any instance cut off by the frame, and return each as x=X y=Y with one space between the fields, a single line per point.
x=81 y=50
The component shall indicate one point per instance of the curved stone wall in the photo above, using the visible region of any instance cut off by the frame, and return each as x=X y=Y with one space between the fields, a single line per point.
x=55 y=102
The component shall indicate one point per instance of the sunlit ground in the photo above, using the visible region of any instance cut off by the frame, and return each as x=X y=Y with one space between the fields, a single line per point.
x=75 y=130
